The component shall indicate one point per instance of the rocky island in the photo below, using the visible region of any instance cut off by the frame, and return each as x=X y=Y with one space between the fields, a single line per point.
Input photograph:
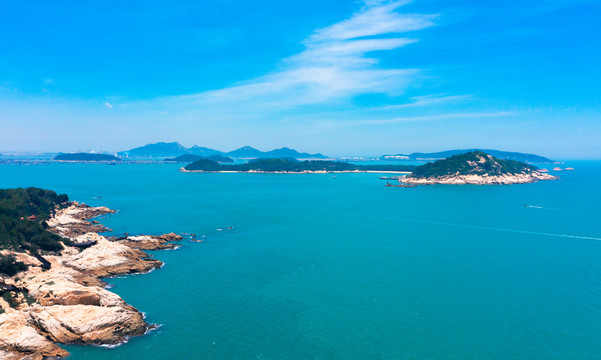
x=478 y=168
x=52 y=261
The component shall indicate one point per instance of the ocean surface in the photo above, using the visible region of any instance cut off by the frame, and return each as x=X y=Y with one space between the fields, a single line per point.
x=323 y=267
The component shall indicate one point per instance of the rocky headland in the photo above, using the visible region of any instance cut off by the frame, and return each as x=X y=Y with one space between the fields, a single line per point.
x=62 y=298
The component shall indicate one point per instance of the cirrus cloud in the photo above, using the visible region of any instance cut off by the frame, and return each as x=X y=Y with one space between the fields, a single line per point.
x=336 y=65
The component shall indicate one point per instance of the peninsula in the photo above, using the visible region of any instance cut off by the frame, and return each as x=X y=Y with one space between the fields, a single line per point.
x=475 y=167
x=51 y=264
x=292 y=166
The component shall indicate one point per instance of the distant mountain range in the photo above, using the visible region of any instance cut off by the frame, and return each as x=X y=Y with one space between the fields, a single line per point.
x=505 y=155
x=174 y=149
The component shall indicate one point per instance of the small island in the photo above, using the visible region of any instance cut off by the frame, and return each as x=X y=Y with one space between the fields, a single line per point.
x=292 y=166
x=86 y=157
x=478 y=168
x=52 y=261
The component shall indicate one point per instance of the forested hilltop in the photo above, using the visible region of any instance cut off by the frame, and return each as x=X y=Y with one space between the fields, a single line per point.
x=291 y=165
x=472 y=163
x=23 y=215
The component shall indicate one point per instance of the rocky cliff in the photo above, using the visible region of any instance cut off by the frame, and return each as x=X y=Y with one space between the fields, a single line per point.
x=68 y=302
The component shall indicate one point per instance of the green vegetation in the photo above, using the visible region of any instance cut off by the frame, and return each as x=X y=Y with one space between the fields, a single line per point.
x=205 y=165
x=472 y=163
x=11 y=299
x=291 y=165
x=86 y=157
x=22 y=219
x=10 y=266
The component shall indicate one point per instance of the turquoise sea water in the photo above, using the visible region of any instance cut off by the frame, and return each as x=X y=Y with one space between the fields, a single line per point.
x=345 y=268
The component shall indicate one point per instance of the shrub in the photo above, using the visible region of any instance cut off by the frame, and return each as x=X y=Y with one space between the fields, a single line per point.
x=10 y=266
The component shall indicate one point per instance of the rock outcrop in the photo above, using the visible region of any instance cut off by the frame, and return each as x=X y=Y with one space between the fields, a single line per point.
x=68 y=302
x=150 y=242
x=88 y=324
x=481 y=179
x=19 y=338
x=109 y=258
x=72 y=221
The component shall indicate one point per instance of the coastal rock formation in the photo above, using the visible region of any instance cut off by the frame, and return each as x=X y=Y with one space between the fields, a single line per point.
x=88 y=324
x=65 y=286
x=19 y=338
x=481 y=179
x=108 y=258
x=71 y=221
x=149 y=242
x=61 y=298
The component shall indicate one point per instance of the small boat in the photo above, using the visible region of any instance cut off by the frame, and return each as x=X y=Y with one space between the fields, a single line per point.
x=400 y=185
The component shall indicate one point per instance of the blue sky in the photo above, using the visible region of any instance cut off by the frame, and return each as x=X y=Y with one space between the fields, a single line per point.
x=339 y=77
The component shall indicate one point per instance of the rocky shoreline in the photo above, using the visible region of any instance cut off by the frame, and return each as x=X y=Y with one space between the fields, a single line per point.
x=68 y=302
x=506 y=179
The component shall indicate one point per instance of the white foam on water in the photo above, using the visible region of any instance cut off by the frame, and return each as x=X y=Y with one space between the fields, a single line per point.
x=509 y=230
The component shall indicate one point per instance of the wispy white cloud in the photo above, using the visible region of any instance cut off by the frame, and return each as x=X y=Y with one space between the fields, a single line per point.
x=337 y=124
x=425 y=100
x=435 y=117
x=376 y=18
x=108 y=105
x=337 y=64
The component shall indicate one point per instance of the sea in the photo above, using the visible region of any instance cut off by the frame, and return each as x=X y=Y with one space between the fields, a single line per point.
x=338 y=266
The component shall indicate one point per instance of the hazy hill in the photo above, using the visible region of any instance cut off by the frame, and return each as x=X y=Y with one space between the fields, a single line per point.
x=246 y=152
x=506 y=155
x=174 y=149
x=160 y=149
x=204 y=151
x=291 y=153
x=188 y=158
